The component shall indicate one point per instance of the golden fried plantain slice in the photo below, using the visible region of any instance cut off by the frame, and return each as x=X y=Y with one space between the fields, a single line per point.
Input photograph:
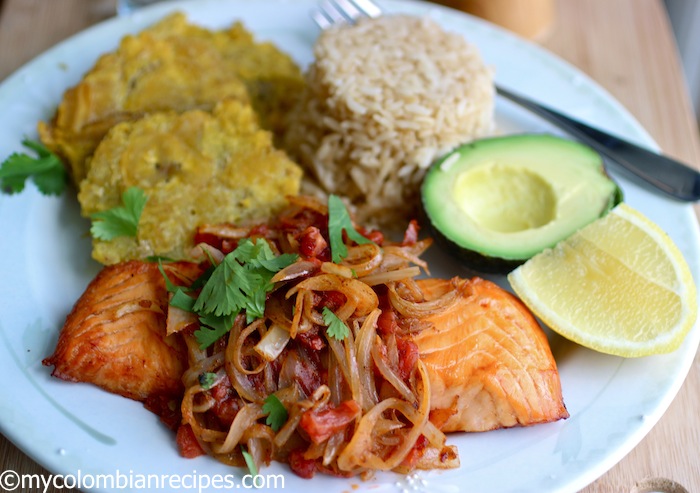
x=172 y=65
x=196 y=168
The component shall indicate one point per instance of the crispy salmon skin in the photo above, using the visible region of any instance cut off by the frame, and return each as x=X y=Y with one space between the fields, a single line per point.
x=115 y=336
x=489 y=362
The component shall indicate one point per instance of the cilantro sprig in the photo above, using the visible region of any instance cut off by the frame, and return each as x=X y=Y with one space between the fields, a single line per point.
x=45 y=169
x=337 y=329
x=239 y=283
x=250 y=462
x=276 y=412
x=338 y=221
x=207 y=380
x=122 y=220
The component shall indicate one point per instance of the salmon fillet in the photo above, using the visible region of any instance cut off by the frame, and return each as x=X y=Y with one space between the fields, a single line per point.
x=489 y=362
x=115 y=336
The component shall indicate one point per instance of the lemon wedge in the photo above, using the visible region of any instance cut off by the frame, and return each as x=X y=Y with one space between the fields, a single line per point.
x=619 y=286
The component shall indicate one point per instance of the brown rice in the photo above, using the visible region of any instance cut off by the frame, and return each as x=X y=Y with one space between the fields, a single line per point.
x=385 y=98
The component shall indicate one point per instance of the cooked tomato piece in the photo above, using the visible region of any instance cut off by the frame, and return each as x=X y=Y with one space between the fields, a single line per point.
x=410 y=236
x=187 y=443
x=321 y=425
x=301 y=466
x=312 y=243
x=415 y=453
x=408 y=356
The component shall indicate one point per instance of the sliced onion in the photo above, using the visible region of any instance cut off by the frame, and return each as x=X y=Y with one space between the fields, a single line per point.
x=363 y=343
x=338 y=270
x=210 y=364
x=332 y=447
x=245 y=418
x=412 y=309
x=358 y=452
x=390 y=375
x=286 y=432
x=259 y=443
x=240 y=382
x=238 y=349
x=356 y=292
x=300 y=268
x=364 y=259
x=179 y=319
x=436 y=437
x=273 y=342
x=204 y=251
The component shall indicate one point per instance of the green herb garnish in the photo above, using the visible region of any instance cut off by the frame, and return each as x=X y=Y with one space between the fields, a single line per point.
x=240 y=282
x=180 y=297
x=276 y=412
x=45 y=169
x=337 y=329
x=207 y=380
x=249 y=462
x=338 y=221
x=212 y=328
x=122 y=220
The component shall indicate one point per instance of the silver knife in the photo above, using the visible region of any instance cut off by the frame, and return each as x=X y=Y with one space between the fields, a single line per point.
x=668 y=175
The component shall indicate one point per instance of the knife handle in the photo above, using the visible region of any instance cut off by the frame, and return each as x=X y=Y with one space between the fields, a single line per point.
x=666 y=174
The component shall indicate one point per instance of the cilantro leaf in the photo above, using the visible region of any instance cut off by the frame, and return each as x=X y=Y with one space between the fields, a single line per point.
x=46 y=170
x=158 y=258
x=242 y=280
x=224 y=292
x=212 y=328
x=276 y=412
x=337 y=329
x=182 y=300
x=169 y=286
x=207 y=380
x=120 y=221
x=338 y=221
x=180 y=297
x=250 y=462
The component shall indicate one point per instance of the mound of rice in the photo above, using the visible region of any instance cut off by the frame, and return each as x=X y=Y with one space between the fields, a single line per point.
x=384 y=99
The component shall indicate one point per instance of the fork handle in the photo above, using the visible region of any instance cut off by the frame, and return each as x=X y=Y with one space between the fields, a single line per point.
x=668 y=175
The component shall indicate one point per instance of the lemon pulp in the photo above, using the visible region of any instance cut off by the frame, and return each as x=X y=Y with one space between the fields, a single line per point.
x=620 y=286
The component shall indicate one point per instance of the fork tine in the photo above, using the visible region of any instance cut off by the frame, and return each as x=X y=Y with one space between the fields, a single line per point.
x=349 y=10
x=320 y=19
x=331 y=12
x=368 y=7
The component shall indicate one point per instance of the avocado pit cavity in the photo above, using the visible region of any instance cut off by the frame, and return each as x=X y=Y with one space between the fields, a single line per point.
x=505 y=198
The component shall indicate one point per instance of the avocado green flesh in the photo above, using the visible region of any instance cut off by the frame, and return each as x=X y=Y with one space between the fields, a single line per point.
x=512 y=197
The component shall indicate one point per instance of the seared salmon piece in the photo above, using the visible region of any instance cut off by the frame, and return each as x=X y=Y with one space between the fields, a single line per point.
x=115 y=336
x=489 y=362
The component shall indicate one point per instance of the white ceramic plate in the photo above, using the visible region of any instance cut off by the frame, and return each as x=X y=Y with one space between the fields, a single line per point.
x=45 y=265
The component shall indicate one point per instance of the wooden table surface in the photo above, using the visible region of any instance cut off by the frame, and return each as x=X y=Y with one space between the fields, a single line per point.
x=625 y=45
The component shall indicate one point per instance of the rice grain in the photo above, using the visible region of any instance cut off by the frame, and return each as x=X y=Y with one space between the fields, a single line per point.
x=384 y=98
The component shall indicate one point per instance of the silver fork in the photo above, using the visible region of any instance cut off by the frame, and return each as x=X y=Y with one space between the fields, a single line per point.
x=665 y=173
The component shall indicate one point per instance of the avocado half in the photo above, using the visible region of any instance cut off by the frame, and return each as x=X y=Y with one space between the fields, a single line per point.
x=496 y=202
